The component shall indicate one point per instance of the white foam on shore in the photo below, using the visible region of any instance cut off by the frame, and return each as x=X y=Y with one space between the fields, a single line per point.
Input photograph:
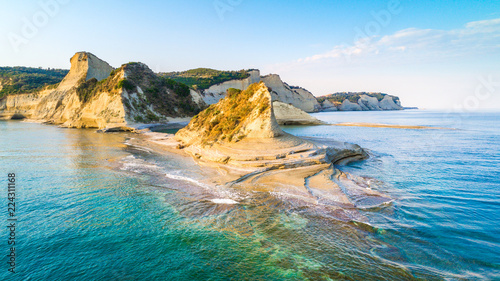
x=132 y=164
x=215 y=190
x=182 y=178
x=224 y=201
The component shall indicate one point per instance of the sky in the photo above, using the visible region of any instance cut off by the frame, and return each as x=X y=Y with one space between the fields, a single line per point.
x=432 y=54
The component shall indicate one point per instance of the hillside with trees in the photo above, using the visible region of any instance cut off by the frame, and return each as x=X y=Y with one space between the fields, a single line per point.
x=203 y=78
x=19 y=80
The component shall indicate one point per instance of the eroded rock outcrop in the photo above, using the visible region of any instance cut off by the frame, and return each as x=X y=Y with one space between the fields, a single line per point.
x=347 y=105
x=287 y=114
x=85 y=66
x=388 y=103
x=280 y=91
x=93 y=95
x=295 y=96
x=240 y=135
x=369 y=103
x=359 y=101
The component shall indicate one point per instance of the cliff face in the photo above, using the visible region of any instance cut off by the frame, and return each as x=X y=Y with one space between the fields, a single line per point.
x=287 y=114
x=62 y=105
x=217 y=92
x=359 y=102
x=295 y=96
x=280 y=91
x=93 y=95
x=85 y=66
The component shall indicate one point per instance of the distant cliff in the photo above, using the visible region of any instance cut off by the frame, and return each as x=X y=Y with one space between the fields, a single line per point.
x=212 y=86
x=94 y=95
x=361 y=101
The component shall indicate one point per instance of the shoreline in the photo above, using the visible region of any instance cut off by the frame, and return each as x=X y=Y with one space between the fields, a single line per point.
x=308 y=182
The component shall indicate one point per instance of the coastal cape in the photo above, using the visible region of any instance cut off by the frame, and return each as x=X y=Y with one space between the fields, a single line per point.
x=240 y=137
x=94 y=95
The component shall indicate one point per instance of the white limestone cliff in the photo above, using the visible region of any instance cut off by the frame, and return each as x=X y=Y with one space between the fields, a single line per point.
x=108 y=104
x=287 y=114
x=299 y=97
x=388 y=104
x=349 y=106
x=368 y=103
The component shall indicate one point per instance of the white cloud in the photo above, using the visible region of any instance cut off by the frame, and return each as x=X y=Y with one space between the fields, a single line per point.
x=425 y=67
x=419 y=44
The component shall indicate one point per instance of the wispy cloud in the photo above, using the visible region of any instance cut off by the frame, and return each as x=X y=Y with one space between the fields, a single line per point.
x=415 y=44
x=426 y=67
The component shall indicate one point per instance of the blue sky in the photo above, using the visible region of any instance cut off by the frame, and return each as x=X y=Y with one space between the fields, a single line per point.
x=433 y=54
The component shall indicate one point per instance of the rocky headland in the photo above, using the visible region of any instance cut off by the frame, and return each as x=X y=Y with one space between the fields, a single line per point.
x=94 y=95
x=236 y=133
x=240 y=137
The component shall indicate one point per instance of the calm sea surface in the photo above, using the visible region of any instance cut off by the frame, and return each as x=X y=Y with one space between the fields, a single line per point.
x=92 y=207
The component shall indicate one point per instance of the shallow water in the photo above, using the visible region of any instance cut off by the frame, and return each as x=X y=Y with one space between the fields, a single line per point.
x=92 y=207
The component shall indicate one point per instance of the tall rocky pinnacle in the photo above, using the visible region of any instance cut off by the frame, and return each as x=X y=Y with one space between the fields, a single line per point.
x=85 y=66
x=241 y=114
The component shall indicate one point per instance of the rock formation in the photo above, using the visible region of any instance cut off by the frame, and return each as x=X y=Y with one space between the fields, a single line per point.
x=287 y=114
x=295 y=96
x=349 y=106
x=93 y=95
x=85 y=66
x=280 y=91
x=328 y=106
x=388 y=104
x=241 y=114
x=369 y=103
x=359 y=101
x=217 y=92
x=240 y=135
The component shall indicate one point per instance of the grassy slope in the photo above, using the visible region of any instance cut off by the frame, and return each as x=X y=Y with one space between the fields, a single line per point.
x=223 y=121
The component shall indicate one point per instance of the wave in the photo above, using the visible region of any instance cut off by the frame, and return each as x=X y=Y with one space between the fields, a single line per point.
x=227 y=196
x=224 y=201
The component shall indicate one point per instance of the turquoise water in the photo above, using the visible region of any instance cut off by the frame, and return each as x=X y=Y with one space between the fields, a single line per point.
x=92 y=207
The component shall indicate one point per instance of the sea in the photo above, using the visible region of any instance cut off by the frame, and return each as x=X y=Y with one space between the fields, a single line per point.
x=93 y=206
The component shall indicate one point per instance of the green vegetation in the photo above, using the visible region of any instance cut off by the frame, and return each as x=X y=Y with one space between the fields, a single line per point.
x=19 y=80
x=168 y=97
x=203 y=78
x=352 y=97
x=86 y=90
x=125 y=84
x=224 y=120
